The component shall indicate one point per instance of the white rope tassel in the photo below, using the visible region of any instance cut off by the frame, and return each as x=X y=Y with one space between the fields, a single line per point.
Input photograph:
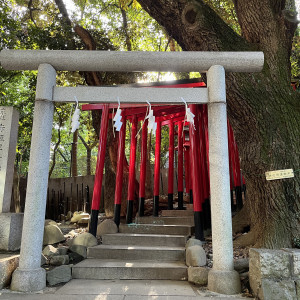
x=152 y=125
x=75 y=118
x=189 y=116
x=117 y=118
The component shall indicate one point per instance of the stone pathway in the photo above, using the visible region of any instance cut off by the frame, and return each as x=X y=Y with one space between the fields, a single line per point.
x=121 y=290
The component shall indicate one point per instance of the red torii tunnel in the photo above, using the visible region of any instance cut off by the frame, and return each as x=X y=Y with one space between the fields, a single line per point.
x=192 y=153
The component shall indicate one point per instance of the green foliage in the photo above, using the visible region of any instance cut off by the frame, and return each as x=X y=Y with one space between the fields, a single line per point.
x=295 y=56
x=164 y=146
x=225 y=9
x=296 y=242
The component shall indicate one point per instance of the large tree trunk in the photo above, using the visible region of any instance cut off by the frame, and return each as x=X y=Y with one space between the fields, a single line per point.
x=262 y=108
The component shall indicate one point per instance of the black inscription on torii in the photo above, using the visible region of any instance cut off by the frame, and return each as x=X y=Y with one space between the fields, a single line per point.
x=2 y=114
x=2 y=128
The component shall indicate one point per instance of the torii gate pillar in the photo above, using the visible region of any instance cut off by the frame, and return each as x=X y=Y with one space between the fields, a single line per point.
x=29 y=276
x=222 y=278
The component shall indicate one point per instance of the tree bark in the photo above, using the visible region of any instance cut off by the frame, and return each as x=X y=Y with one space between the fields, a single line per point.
x=54 y=153
x=263 y=110
x=74 y=154
x=56 y=146
x=149 y=174
x=88 y=148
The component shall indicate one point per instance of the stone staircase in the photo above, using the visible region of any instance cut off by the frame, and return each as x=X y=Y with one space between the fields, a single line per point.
x=151 y=248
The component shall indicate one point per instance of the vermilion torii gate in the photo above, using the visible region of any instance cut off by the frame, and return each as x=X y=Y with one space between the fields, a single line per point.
x=29 y=276
x=168 y=115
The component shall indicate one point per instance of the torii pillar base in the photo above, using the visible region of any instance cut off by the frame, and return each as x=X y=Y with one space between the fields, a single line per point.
x=28 y=280
x=224 y=282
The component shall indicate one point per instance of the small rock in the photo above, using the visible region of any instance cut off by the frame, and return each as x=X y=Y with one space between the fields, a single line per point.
x=77 y=217
x=75 y=258
x=195 y=256
x=69 y=242
x=69 y=216
x=62 y=250
x=59 y=275
x=84 y=220
x=73 y=233
x=241 y=265
x=79 y=249
x=85 y=239
x=50 y=222
x=59 y=260
x=106 y=227
x=7 y=267
x=193 y=242
x=244 y=275
x=52 y=235
x=50 y=251
x=198 y=275
x=43 y=260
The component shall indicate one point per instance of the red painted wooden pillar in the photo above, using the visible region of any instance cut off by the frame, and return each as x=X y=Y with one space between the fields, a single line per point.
x=143 y=169
x=99 y=170
x=171 y=166
x=205 y=123
x=187 y=168
x=187 y=164
x=200 y=164
x=231 y=166
x=237 y=171
x=120 y=167
x=180 y=166
x=203 y=167
x=204 y=151
x=131 y=181
x=157 y=169
x=196 y=177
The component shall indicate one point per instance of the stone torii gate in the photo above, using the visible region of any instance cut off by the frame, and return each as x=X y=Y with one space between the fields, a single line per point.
x=29 y=276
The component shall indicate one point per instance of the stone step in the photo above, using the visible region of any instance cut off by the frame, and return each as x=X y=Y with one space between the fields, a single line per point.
x=135 y=239
x=156 y=229
x=117 y=269
x=124 y=252
x=166 y=220
x=177 y=213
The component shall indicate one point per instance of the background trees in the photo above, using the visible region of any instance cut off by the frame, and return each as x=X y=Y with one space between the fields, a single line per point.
x=263 y=109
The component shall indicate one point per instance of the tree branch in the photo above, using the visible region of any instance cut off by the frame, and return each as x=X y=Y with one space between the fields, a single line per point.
x=56 y=147
x=83 y=141
x=62 y=155
x=195 y=21
x=31 y=10
x=62 y=9
x=125 y=29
